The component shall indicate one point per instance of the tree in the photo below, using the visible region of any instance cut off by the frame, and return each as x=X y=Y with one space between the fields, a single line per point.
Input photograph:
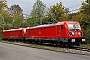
x=14 y=9
x=57 y=12
x=38 y=12
x=16 y=15
x=4 y=13
x=85 y=9
x=3 y=5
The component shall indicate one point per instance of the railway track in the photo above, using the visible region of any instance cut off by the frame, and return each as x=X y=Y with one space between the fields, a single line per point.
x=74 y=50
x=79 y=50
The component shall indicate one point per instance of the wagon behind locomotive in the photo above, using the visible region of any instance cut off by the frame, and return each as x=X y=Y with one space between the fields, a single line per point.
x=13 y=34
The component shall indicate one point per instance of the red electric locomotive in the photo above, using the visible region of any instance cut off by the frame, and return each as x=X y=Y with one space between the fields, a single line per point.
x=13 y=34
x=63 y=33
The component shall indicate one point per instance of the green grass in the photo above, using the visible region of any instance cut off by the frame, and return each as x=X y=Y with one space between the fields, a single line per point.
x=44 y=47
x=85 y=45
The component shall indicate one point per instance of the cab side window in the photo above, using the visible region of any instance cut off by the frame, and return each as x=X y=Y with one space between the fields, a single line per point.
x=20 y=30
x=26 y=30
x=61 y=27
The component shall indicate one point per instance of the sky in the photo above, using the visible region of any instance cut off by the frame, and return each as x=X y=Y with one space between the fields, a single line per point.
x=27 y=5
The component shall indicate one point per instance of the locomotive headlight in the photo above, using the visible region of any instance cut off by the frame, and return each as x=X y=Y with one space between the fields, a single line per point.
x=83 y=40
x=71 y=33
x=73 y=40
x=79 y=33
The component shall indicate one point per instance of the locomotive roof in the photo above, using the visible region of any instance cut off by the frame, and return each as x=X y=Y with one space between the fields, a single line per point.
x=39 y=26
x=48 y=25
x=72 y=22
x=12 y=29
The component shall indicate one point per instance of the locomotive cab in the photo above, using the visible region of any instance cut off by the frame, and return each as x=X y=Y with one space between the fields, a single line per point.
x=75 y=33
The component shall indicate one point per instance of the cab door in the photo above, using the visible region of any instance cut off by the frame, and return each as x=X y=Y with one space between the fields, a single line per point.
x=58 y=31
x=61 y=31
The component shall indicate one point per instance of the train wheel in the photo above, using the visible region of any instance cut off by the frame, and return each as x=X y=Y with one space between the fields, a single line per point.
x=61 y=44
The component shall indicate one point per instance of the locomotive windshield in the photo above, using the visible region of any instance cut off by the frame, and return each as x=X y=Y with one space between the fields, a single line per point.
x=74 y=26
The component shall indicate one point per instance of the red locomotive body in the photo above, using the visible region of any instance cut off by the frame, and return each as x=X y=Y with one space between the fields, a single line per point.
x=67 y=32
x=13 y=34
x=41 y=32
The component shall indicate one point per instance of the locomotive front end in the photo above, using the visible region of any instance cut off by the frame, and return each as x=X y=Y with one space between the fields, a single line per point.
x=75 y=33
